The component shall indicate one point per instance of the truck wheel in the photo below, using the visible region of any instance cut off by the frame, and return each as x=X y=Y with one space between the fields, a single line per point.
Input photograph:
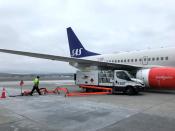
x=136 y=92
x=113 y=90
x=87 y=90
x=130 y=91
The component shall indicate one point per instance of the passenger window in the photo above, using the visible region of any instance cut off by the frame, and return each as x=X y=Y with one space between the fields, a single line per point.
x=135 y=60
x=166 y=58
x=149 y=59
x=124 y=60
x=118 y=61
x=161 y=58
x=144 y=59
x=121 y=60
x=131 y=60
x=157 y=58
x=128 y=60
x=140 y=59
x=153 y=59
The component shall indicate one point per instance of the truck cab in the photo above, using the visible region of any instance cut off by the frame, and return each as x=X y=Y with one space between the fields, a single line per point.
x=125 y=82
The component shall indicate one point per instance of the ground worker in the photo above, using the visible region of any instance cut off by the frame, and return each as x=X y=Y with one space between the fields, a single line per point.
x=36 y=86
x=21 y=85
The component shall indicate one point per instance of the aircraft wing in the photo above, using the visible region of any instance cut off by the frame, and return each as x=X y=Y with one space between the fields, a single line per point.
x=74 y=60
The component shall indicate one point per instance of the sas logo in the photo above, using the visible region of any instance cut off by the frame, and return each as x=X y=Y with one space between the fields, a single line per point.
x=76 y=52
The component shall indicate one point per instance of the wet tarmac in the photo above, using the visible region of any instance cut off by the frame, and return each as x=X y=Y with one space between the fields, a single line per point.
x=147 y=111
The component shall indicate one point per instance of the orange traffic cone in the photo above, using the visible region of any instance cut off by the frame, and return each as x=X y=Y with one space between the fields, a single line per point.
x=3 y=93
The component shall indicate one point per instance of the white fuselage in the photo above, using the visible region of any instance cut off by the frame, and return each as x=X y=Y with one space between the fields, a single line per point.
x=144 y=58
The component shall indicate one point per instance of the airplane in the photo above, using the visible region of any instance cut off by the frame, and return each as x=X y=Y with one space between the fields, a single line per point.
x=155 y=67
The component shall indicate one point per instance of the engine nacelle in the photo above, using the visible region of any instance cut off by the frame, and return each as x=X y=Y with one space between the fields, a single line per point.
x=158 y=78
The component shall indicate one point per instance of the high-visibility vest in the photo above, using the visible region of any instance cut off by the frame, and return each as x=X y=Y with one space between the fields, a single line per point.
x=36 y=81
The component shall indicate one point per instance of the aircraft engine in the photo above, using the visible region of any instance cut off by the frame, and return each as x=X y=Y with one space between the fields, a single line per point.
x=158 y=78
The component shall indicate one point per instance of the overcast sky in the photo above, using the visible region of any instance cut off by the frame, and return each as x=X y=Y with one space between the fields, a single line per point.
x=103 y=26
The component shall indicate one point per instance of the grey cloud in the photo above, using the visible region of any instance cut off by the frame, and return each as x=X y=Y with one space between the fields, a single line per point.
x=102 y=26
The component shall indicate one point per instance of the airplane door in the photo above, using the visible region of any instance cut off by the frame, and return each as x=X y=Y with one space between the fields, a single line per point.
x=145 y=60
